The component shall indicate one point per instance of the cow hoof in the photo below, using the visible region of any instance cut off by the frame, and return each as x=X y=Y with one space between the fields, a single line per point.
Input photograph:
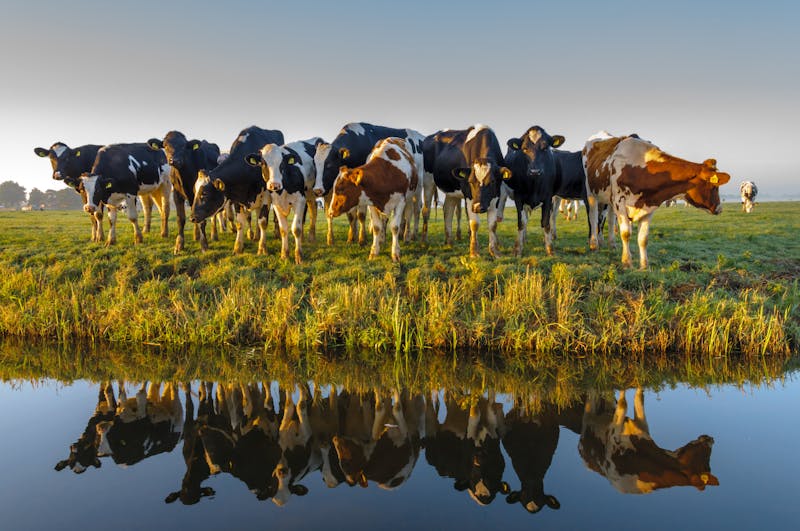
x=372 y=256
x=214 y=238
x=238 y=249
x=298 y=259
x=548 y=251
x=396 y=258
x=138 y=239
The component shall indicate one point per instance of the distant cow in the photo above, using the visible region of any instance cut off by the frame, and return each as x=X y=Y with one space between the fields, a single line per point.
x=386 y=183
x=352 y=146
x=542 y=175
x=68 y=166
x=187 y=158
x=289 y=173
x=120 y=173
x=239 y=182
x=468 y=164
x=621 y=450
x=748 y=190
x=635 y=177
x=569 y=207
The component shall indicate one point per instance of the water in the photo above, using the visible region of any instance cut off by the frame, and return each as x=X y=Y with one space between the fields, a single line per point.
x=454 y=482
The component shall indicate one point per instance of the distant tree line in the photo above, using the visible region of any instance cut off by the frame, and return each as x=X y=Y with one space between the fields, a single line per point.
x=14 y=197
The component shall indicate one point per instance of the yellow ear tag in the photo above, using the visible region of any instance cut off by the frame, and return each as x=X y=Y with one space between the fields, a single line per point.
x=78 y=153
x=196 y=146
x=291 y=160
x=714 y=179
x=109 y=185
x=516 y=145
x=462 y=174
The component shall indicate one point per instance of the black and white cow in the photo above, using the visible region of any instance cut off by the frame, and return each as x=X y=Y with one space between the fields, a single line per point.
x=83 y=452
x=187 y=158
x=68 y=166
x=352 y=146
x=120 y=173
x=239 y=182
x=468 y=163
x=748 y=190
x=542 y=176
x=290 y=173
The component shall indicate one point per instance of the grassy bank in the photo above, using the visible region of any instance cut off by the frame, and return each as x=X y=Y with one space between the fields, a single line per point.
x=717 y=286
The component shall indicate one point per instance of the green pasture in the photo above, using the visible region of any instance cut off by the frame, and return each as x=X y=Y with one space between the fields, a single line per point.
x=717 y=286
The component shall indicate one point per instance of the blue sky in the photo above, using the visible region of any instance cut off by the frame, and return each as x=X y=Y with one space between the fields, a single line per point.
x=700 y=79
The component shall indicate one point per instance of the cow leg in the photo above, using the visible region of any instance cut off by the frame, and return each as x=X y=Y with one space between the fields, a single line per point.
x=638 y=411
x=283 y=224
x=163 y=210
x=329 y=236
x=612 y=227
x=133 y=218
x=621 y=409
x=547 y=207
x=147 y=210
x=214 y=229
x=97 y=226
x=522 y=227
x=377 y=229
x=241 y=219
x=263 y=223
x=459 y=206
x=180 y=214
x=351 y=232
x=297 y=229
x=408 y=218
x=112 y=226
x=395 y=227
x=449 y=208
x=592 y=213
x=311 y=206
x=553 y=218
x=200 y=229
x=428 y=196
x=491 y=216
x=625 y=236
x=641 y=238
x=361 y=215
x=474 y=223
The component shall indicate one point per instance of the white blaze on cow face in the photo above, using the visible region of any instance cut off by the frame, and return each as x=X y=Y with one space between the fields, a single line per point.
x=272 y=155
x=483 y=173
x=59 y=149
x=243 y=138
x=323 y=150
x=356 y=128
x=89 y=184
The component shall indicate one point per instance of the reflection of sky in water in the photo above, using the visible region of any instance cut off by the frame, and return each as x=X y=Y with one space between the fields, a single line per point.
x=755 y=432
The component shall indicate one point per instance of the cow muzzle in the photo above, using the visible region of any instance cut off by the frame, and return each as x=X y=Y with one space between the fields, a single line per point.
x=535 y=173
x=477 y=208
x=717 y=210
x=57 y=175
x=319 y=192
x=89 y=209
x=274 y=187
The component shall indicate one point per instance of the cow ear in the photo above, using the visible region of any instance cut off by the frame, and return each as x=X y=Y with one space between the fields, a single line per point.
x=299 y=490
x=42 y=152
x=155 y=144
x=460 y=173
x=513 y=497
x=344 y=153
x=505 y=173
x=219 y=185
x=514 y=143
x=253 y=159
x=552 y=502
x=358 y=175
x=61 y=465
x=710 y=163
x=718 y=179
x=194 y=144
x=557 y=141
x=172 y=497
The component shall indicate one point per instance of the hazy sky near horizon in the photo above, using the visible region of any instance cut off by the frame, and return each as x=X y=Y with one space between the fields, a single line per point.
x=701 y=79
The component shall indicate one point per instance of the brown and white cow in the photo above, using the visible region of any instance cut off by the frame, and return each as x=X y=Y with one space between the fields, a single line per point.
x=621 y=449
x=385 y=183
x=635 y=177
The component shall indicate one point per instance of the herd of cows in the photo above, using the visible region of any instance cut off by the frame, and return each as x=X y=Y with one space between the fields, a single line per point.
x=273 y=442
x=385 y=172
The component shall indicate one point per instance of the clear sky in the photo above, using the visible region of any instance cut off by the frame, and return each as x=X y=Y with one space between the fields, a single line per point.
x=701 y=79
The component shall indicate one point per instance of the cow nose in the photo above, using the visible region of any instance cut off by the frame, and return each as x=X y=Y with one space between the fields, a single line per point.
x=476 y=208
x=718 y=210
x=319 y=192
x=89 y=209
x=274 y=187
x=282 y=471
x=535 y=173
x=57 y=175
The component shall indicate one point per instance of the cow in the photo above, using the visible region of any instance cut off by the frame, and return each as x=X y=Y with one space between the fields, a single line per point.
x=294 y=438
x=635 y=177
x=68 y=166
x=239 y=182
x=186 y=158
x=468 y=163
x=386 y=183
x=353 y=145
x=289 y=173
x=748 y=190
x=356 y=217
x=542 y=175
x=569 y=208
x=621 y=450
x=466 y=446
x=383 y=440
x=530 y=441
x=120 y=173
x=83 y=452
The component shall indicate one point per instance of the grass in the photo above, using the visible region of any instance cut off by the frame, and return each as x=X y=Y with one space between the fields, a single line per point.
x=717 y=286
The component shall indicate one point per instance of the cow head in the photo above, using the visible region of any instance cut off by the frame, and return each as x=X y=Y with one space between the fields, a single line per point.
x=67 y=163
x=352 y=460
x=178 y=150
x=532 y=499
x=208 y=197
x=346 y=191
x=536 y=145
x=483 y=180
x=704 y=192
x=98 y=190
x=274 y=162
x=328 y=162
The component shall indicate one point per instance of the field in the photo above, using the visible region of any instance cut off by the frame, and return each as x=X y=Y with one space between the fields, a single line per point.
x=717 y=286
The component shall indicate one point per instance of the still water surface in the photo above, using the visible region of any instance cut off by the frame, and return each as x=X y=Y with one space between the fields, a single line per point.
x=226 y=457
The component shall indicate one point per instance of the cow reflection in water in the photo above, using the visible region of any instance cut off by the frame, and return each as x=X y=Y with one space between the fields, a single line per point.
x=621 y=449
x=128 y=430
x=466 y=446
